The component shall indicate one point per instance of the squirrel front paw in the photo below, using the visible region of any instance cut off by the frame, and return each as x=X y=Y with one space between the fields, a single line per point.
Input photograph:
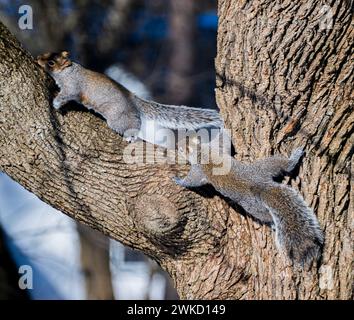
x=57 y=104
x=130 y=135
x=130 y=139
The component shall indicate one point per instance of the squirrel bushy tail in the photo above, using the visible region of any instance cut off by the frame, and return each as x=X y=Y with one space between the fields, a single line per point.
x=297 y=228
x=252 y=186
x=179 y=117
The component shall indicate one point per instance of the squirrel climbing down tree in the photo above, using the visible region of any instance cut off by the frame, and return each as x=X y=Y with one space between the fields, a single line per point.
x=250 y=185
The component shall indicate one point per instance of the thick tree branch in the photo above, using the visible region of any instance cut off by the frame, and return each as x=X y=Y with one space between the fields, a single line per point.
x=74 y=162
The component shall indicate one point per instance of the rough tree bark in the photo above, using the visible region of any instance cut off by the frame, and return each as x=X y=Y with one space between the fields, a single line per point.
x=284 y=79
x=279 y=85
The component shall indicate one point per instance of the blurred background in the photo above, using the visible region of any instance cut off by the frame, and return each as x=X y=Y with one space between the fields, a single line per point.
x=159 y=49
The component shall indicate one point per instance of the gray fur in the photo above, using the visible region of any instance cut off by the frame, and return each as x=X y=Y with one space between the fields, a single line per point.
x=299 y=234
x=175 y=117
x=252 y=187
x=195 y=178
x=122 y=109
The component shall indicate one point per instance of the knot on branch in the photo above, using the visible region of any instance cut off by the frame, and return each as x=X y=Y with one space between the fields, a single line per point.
x=156 y=215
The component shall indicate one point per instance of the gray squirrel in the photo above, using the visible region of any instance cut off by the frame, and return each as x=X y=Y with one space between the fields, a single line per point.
x=249 y=185
x=123 y=111
x=252 y=186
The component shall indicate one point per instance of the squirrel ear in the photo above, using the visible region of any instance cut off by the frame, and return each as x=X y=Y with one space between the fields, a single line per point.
x=65 y=54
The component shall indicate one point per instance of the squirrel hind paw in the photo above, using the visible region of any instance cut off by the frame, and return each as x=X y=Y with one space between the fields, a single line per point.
x=57 y=104
x=297 y=154
x=294 y=159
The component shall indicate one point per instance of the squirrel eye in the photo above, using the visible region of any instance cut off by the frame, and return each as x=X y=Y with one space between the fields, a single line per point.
x=51 y=63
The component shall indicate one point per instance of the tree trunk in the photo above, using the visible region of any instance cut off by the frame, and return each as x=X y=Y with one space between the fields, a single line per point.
x=279 y=85
x=95 y=264
x=285 y=79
